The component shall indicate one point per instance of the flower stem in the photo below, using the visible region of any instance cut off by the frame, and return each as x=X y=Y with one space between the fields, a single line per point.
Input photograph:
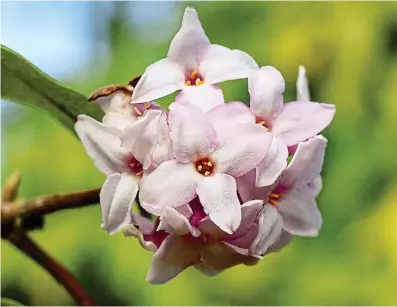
x=10 y=211
x=64 y=277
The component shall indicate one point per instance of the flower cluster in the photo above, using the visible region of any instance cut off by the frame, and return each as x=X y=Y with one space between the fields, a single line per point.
x=215 y=176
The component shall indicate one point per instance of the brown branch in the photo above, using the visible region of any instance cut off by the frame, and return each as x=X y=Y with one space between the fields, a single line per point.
x=32 y=250
x=11 y=211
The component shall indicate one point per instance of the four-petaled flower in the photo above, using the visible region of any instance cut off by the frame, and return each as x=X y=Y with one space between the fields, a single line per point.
x=208 y=158
x=193 y=65
x=290 y=123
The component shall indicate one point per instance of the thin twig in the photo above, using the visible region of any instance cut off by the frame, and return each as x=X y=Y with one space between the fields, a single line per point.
x=47 y=204
x=32 y=250
x=10 y=189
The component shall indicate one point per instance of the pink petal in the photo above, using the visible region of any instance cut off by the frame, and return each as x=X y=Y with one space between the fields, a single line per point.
x=207 y=226
x=174 y=256
x=163 y=149
x=269 y=230
x=118 y=101
x=205 y=97
x=300 y=121
x=192 y=133
x=144 y=224
x=249 y=211
x=283 y=240
x=229 y=115
x=316 y=185
x=226 y=65
x=241 y=245
x=189 y=43
x=215 y=51
x=117 y=196
x=190 y=19
x=218 y=196
x=174 y=222
x=302 y=85
x=172 y=184
x=185 y=210
x=206 y=270
x=118 y=120
x=241 y=149
x=275 y=161
x=133 y=231
x=247 y=189
x=141 y=137
x=219 y=256
x=306 y=164
x=102 y=144
x=249 y=214
x=266 y=87
x=300 y=213
x=237 y=249
x=159 y=79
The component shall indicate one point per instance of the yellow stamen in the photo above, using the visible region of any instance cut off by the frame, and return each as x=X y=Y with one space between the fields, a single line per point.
x=207 y=173
x=139 y=173
x=137 y=111
x=273 y=202
x=199 y=168
x=262 y=122
x=275 y=195
x=209 y=163
x=188 y=83
x=193 y=75
x=198 y=82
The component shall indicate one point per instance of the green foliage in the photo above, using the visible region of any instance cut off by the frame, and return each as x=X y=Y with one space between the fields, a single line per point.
x=25 y=84
x=9 y=302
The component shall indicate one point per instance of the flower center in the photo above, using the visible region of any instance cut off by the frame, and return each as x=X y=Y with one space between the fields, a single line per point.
x=205 y=166
x=135 y=166
x=194 y=79
x=140 y=109
x=265 y=123
x=274 y=198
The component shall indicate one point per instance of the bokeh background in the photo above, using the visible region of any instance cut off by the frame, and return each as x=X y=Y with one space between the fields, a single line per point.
x=350 y=52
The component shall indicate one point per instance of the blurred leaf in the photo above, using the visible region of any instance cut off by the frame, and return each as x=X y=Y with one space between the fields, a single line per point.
x=9 y=302
x=25 y=84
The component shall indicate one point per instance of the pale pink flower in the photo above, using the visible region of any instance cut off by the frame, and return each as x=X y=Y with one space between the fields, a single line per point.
x=290 y=123
x=192 y=64
x=302 y=85
x=125 y=166
x=185 y=236
x=290 y=207
x=115 y=101
x=208 y=158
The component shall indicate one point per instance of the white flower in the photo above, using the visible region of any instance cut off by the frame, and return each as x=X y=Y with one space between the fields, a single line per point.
x=115 y=101
x=208 y=159
x=290 y=123
x=124 y=165
x=192 y=65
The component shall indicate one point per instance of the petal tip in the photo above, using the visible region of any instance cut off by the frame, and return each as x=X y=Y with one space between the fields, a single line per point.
x=302 y=70
x=153 y=279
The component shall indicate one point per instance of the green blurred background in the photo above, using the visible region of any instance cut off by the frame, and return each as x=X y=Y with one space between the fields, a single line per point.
x=350 y=52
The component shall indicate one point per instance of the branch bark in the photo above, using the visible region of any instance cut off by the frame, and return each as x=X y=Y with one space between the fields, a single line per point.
x=32 y=250
x=11 y=211
x=16 y=216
